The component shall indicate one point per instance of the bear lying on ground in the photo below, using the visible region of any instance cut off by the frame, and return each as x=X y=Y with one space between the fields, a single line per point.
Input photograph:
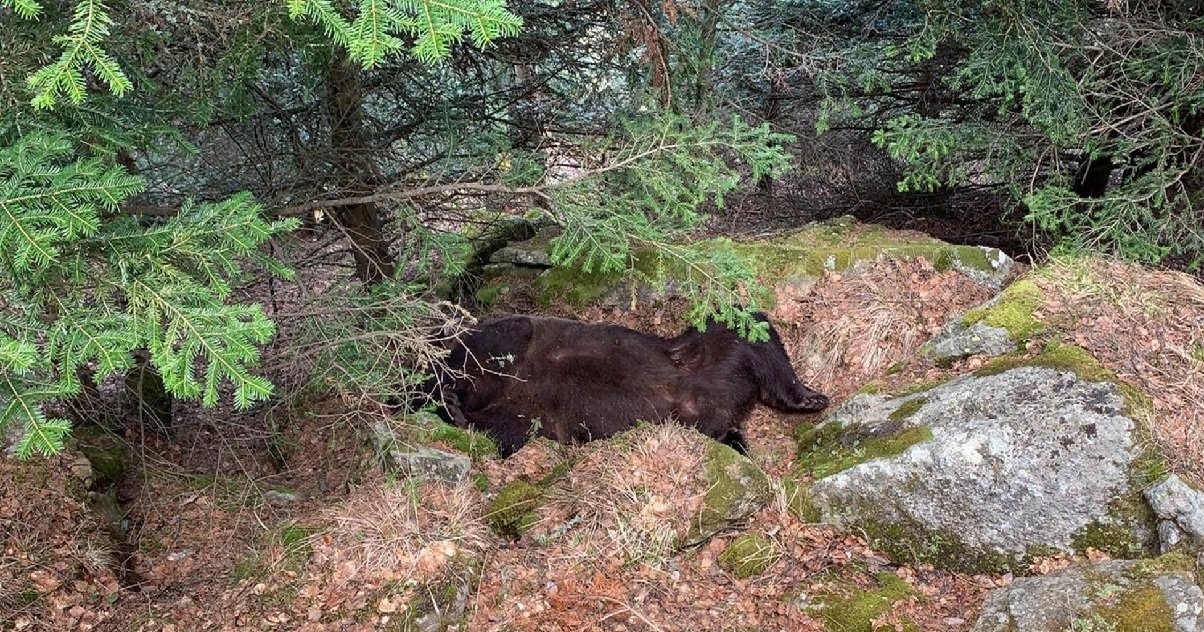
x=517 y=377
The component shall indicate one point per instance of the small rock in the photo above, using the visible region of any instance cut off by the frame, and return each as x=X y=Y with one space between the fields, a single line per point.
x=81 y=469
x=1001 y=267
x=520 y=255
x=1177 y=503
x=419 y=462
x=282 y=497
x=958 y=341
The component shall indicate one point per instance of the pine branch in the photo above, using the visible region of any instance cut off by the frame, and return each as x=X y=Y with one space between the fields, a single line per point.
x=25 y=9
x=435 y=25
x=81 y=49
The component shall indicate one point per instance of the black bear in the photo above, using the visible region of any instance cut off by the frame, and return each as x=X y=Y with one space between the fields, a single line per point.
x=517 y=377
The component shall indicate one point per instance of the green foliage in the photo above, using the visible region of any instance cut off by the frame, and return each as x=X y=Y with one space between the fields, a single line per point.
x=374 y=33
x=651 y=187
x=1031 y=97
x=82 y=49
x=83 y=288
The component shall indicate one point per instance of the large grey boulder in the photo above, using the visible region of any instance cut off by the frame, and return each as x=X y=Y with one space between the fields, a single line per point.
x=1117 y=595
x=983 y=472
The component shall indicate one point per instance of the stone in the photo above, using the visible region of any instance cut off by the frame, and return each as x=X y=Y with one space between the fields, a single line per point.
x=981 y=472
x=958 y=341
x=999 y=267
x=420 y=461
x=736 y=489
x=532 y=252
x=516 y=255
x=1113 y=595
x=282 y=497
x=1181 y=509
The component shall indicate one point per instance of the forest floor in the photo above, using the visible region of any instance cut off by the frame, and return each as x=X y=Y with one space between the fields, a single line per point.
x=281 y=520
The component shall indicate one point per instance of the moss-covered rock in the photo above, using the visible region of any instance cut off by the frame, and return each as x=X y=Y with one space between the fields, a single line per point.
x=854 y=609
x=512 y=511
x=956 y=475
x=749 y=555
x=1013 y=311
x=789 y=258
x=735 y=489
x=1117 y=595
x=475 y=445
x=828 y=449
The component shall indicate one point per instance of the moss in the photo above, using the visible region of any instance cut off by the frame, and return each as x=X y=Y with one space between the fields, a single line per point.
x=828 y=449
x=907 y=409
x=106 y=453
x=477 y=446
x=907 y=543
x=735 y=486
x=295 y=540
x=749 y=555
x=1054 y=355
x=879 y=387
x=873 y=387
x=1114 y=539
x=920 y=387
x=513 y=511
x=799 y=254
x=1140 y=609
x=560 y=471
x=1197 y=352
x=575 y=286
x=855 y=610
x=1013 y=311
x=480 y=481
x=1168 y=563
x=487 y=295
x=798 y=501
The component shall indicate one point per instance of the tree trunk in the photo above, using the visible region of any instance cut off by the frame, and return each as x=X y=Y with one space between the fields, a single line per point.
x=150 y=396
x=708 y=30
x=354 y=172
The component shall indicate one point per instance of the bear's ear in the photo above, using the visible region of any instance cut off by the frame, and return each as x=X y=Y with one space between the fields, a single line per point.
x=687 y=354
x=504 y=337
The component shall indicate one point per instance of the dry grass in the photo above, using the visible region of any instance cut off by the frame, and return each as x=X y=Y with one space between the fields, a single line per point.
x=1148 y=327
x=408 y=530
x=631 y=500
x=853 y=327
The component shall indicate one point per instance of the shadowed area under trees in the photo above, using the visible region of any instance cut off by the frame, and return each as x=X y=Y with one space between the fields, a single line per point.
x=237 y=238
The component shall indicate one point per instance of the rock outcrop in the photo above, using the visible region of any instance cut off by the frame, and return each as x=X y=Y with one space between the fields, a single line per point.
x=984 y=471
x=1115 y=595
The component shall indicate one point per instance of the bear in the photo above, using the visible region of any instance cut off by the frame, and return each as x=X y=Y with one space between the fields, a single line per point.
x=515 y=377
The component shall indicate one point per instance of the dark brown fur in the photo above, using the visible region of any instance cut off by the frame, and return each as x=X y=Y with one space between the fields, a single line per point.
x=587 y=381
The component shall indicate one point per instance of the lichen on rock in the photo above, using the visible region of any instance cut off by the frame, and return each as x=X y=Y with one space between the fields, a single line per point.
x=983 y=472
x=1117 y=595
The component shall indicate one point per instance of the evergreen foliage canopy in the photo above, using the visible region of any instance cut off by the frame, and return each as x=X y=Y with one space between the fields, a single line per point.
x=84 y=287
